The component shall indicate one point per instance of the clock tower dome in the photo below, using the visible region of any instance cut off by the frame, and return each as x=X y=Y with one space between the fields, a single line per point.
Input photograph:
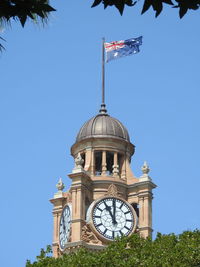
x=105 y=199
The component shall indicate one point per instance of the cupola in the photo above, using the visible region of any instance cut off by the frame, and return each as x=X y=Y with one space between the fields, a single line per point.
x=104 y=145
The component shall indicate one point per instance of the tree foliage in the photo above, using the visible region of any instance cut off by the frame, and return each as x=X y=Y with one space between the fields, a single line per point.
x=157 y=5
x=165 y=251
x=21 y=10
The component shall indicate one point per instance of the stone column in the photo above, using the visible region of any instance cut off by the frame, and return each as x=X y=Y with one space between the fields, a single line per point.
x=56 y=221
x=123 y=171
x=145 y=212
x=104 y=165
x=116 y=166
x=77 y=204
x=92 y=168
x=88 y=159
x=141 y=211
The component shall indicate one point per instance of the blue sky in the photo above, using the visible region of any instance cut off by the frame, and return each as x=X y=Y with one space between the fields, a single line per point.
x=51 y=84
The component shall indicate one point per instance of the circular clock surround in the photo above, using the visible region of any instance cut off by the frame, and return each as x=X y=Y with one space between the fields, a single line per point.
x=65 y=226
x=113 y=217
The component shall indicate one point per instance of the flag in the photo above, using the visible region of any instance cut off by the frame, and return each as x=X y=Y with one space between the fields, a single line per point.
x=122 y=48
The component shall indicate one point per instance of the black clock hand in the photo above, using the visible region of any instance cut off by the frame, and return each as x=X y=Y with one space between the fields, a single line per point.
x=108 y=208
x=63 y=221
x=114 y=211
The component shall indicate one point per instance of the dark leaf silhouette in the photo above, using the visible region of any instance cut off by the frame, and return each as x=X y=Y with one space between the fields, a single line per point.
x=120 y=6
x=146 y=6
x=185 y=5
x=96 y=3
x=157 y=5
x=21 y=10
x=1 y=46
x=183 y=10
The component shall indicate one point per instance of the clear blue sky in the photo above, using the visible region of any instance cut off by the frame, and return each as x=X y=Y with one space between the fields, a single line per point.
x=51 y=84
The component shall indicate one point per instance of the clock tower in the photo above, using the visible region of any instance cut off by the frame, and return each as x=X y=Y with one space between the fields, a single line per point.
x=105 y=199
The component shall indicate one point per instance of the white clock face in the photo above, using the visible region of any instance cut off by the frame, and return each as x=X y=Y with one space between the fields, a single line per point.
x=113 y=217
x=65 y=224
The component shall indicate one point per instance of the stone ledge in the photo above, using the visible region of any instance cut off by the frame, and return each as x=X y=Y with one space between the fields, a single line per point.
x=73 y=246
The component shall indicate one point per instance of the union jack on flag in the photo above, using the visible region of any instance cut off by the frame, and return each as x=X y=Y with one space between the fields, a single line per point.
x=122 y=48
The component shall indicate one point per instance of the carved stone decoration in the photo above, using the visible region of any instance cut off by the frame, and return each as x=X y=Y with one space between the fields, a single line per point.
x=104 y=169
x=88 y=236
x=145 y=169
x=115 y=171
x=60 y=185
x=112 y=191
x=79 y=161
x=78 y=164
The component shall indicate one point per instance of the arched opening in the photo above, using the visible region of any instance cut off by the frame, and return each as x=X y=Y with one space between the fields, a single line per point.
x=136 y=208
x=120 y=162
x=98 y=162
x=87 y=204
x=109 y=162
x=83 y=157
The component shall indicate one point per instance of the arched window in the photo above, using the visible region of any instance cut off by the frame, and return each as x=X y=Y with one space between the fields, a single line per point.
x=109 y=162
x=136 y=208
x=120 y=159
x=98 y=162
x=83 y=157
x=87 y=204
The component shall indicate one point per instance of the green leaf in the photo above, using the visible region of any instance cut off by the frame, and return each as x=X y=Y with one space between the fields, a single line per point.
x=146 y=6
x=23 y=19
x=48 y=8
x=157 y=6
x=1 y=46
x=120 y=6
x=183 y=10
x=96 y=3
x=130 y=2
x=169 y=2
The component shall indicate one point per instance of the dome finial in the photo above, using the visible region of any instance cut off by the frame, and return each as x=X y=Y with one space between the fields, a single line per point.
x=103 y=109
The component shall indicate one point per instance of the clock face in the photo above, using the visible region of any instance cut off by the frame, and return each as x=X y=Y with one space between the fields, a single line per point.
x=65 y=224
x=113 y=217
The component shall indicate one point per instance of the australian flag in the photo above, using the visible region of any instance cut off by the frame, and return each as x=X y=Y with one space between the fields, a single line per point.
x=122 y=48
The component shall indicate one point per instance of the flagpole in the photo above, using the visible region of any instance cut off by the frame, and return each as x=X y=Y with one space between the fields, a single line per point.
x=103 y=106
x=103 y=72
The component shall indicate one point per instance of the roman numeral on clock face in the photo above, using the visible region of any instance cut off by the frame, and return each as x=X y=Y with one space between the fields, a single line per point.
x=99 y=209
x=121 y=206
x=113 y=234
x=127 y=212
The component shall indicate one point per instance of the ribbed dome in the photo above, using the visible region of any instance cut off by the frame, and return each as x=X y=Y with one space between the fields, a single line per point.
x=103 y=125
